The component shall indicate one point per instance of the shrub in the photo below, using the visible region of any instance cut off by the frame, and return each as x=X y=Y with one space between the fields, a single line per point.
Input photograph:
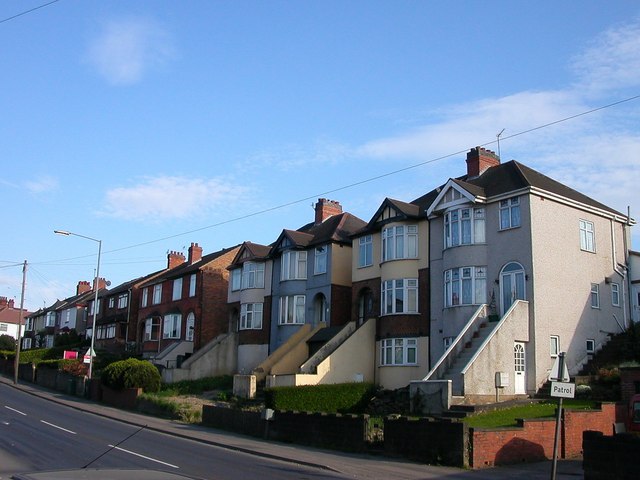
x=7 y=342
x=195 y=387
x=131 y=373
x=340 y=398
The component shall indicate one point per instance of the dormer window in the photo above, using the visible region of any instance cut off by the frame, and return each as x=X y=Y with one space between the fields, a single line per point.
x=464 y=226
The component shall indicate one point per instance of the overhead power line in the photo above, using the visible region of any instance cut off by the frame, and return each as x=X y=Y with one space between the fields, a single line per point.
x=28 y=11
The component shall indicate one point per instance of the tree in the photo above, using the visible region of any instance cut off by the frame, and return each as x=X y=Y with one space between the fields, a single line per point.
x=7 y=342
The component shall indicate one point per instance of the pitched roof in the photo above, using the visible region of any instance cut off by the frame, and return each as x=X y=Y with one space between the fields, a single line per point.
x=249 y=252
x=335 y=229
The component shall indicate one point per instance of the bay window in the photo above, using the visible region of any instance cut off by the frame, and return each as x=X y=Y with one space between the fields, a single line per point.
x=253 y=275
x=464 y=226
x=291 y=310
x=399 y=351
x=293 y=265
x=251 y=316
x=400 y=296
x=400 y=242
x=465 y=286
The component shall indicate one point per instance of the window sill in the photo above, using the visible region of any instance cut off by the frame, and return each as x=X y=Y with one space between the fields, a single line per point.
x=400 y=365
x=399 y=313
x=587 y=251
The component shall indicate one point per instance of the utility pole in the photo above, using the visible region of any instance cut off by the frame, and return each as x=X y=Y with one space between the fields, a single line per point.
x=19 y=337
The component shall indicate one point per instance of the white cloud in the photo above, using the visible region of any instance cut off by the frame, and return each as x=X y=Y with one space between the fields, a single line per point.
x=612 y=61
x=126 y=49
x=164 y=197
x=43 y=184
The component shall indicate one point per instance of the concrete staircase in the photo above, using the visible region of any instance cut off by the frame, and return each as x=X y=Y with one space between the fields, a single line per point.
x=454 y=373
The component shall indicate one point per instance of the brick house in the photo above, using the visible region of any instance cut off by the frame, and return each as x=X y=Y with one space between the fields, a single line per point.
x=184 y=307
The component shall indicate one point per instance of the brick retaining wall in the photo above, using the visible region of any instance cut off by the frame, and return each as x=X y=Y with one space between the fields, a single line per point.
x=611 y=457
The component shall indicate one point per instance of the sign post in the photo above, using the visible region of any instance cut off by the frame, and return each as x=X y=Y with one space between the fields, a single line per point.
x=561 y=388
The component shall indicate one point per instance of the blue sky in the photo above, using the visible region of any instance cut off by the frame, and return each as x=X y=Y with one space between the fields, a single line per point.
x=154 y=124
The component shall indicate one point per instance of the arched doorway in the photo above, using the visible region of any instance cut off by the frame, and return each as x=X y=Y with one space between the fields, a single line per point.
x=320 y=309
x=512 y=285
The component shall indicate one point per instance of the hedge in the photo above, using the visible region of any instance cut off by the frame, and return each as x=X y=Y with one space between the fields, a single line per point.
x=339 y=398
x=132 y=373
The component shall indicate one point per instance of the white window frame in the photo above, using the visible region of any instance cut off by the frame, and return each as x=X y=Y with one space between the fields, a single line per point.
x=145 y=297
x=447 y=342
x=112 y=302
x=587 y=236
x=251 y=316
x=399 y=296
x=399 y=242
x=292 y=310
x=149 y=330
x=252 y=275
x=554 y=346
x=177 y=289
x=172 y=326
x=320 y=260
x=510 y=214
x=464 y=226
x=595 y=295
x=67 y=315
x=192 y=285
x=236 y=279
x=591 y=345
x=399 y=352
x=26 y=343
x=123 y=300
x=50 y=319
x=157 y=294
x=615 y=294
x=293 y=265
x=464 y=282
x=365 y=251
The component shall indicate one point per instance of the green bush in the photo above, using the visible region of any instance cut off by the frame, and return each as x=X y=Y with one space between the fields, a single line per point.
x=340 y=398
x=131 y=373
x=7 y=342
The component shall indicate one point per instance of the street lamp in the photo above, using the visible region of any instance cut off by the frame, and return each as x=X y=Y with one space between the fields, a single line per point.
x=95 y=301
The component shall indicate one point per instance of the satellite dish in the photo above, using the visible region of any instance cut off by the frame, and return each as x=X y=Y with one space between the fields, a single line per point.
x=108 y=283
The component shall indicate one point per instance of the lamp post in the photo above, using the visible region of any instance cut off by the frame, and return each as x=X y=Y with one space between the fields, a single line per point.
x=95 y=300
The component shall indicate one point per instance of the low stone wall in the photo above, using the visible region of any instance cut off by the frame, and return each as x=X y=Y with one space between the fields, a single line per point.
x=427 y=440
x=125 y=398
x=610 y=457
x=334 y=431
x=533 y=440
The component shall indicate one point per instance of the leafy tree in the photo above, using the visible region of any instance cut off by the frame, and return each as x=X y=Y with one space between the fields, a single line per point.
x=7 y=342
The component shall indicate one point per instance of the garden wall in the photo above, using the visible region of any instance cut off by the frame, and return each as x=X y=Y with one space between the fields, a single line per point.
x=610 y=457
x=533 y=440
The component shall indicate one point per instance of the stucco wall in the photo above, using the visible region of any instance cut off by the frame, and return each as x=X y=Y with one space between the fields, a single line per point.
x=393 y=377
x=250 y=356
x=340 y=264
x=563 y=276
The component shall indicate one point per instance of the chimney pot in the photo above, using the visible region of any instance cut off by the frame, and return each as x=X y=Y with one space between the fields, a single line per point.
x=174 y=259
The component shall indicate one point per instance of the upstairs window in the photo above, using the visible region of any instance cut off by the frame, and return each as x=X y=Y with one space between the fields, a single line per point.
x=400 y=296
x=615 y=294
x=464 y=226
x=293 y=265
x=192 y=285
x=509 y=213
x=236 y=279
x=145 y=297
x=112 y=302
x=157 y=293
x=253 y=275
x=177 y=289
x=465 y=286
x=400 y=242
x=365 y=251
x=587 y=236
x=320 y=263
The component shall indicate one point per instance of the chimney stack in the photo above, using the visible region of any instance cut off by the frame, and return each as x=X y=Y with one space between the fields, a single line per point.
x=195 y=253
x=3 y=301
x=480 y=159
x=174 y=259
x=83 y=287
x=326 y=208
x=102 y=283
x=11 y=303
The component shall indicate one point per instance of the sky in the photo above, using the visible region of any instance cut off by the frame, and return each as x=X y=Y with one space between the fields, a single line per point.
x=150 y=125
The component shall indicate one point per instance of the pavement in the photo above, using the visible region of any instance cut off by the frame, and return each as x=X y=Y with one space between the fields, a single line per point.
x=351 y=465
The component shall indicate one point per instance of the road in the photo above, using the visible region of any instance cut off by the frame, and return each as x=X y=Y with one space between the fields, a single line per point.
x=37 y=435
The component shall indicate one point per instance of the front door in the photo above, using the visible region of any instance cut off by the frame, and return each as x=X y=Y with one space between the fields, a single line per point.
x=191 y=323
x=512 y=285
x=519 y=383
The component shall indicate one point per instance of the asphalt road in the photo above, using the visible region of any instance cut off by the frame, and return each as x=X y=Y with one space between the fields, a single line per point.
x=37 y=435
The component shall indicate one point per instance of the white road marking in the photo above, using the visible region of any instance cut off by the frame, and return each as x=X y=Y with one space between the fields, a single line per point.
x=60 y=428
x=143 y=456
x=14 y=410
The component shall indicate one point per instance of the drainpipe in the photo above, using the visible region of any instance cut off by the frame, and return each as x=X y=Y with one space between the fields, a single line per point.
x=618 y=270
x=126 y=333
